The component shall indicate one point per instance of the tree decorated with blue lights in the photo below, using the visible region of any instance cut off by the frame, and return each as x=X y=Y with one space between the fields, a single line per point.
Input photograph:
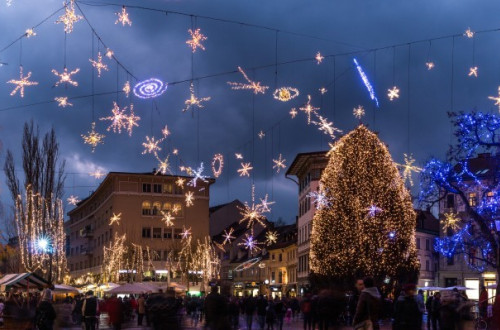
x=468 y=183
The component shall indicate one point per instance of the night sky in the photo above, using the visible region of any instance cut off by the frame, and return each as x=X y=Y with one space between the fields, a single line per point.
x=154 y=46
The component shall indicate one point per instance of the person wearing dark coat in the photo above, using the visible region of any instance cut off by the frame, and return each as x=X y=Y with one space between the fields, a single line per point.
x=261 y=311
x=216 y=311
x=435 y=310
x=270 y=315
x=407 y=314
x=163 y=311
x=45 y=313
x=369 y=305
x=353 y=299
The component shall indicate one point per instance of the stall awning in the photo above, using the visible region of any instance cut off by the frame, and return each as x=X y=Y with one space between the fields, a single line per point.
x=22 y=280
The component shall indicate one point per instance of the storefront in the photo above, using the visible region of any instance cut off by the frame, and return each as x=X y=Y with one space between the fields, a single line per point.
x=490 y=281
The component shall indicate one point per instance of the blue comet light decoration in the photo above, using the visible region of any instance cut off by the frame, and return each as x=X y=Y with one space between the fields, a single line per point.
x=367 y=83
x=150 y=88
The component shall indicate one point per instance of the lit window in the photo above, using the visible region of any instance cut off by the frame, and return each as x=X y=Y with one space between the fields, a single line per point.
x=167 y=188
x=472 y=199
x=146 y=208
x=489 y=196
x=167 y=207
x=156 y=208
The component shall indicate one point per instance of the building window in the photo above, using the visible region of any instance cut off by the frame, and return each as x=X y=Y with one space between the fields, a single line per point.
x=156 y=232
x=177 y=233
x=273 y=277
x=272 y=256
x=167 y=188
x=489 y=196
x=427 y=244
x=178 y=190
x=157 y=188
x=280 y=257
x=450 y=261
x=418 y=243
x=178 y=208
x=156 y=208
x=472 y=199
x=146 y=187
x=450 y=201
x=427 y=265
x=146 y=208
x=167 y=206
x=280 y=277
x=146 y=232
x=167 y=233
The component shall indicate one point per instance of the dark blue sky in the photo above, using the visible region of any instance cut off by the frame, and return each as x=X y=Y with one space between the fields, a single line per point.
x=155 y=46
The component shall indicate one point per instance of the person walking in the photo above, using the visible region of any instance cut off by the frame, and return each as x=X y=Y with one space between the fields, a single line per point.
x=90 y=308
x=483 y=303
x=368 y=309
x=141 y=309
x=45 y=313
x=116 y=312
x=215 y=310
x=435 y=311
x=234 y=313
x=279 y=309
x=407 y=312
x=270 y=315
x=428 y=307
x=261 y=306
x=353 y=299
x=305 y=308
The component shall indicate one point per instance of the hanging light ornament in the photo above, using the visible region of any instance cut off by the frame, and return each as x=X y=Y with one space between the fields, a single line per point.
x=451 y=221
x=131 y=120
x=319 y=58
x=469 y=33
x=189 y=198
x=30 y=33
x=279 y=163
x=358 y=112
x=163 y=166
x=197 y=175
x=167 y=218
x=238 y=156
x=254 y=85
x=285 y=94
x=126 y=88
x=228 y=236
x=115 y=218
x=245 y=169
x=193 y=101
x=63 y=102
x=496 y=98
x=217 y=165
x=65 y=77
x=429 y=65
x=250 y=243
x=180 y=182
x=73 y=200
x=97 y=174
x=325 y=126
x=123 y=17
x=70 y=17
x=293 y=113
x=109 y=53
x=408 y=168
x=150 y=88
x=393 y=93
x=473 y=71
x=21 y=83
x=93 y=138
x=99 y=65
x=118 y=119
x=271 y=237
x=308 y=109
x=151 y=146
x=323 y=90
x=261 y=134
x=196 y=40
x=185 y=232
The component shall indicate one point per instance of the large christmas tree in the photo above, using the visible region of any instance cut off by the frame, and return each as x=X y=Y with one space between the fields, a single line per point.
x=365 y=223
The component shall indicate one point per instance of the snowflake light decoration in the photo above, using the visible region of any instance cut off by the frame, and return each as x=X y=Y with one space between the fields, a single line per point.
x=279 y=163
x=319 y=199
x=261 y=134
x=123 y=17
x=228 y=236
x=62 y=101
x=99 y=65
x=469 y=33
x=250 y=243
x=238 y=156
x=271 y=237
x=196 y=40
x=115 y=219
x=285 y=94
x=408 y=168
x=473 y=71
x=151 y=146
x=326 y=127
x=163 y=166
x=319 y=58
x=167 y=218
x=198 y=175
x=253 y=85
x=73 y=200
x=97 y=174
x=126 y=88
x=69 y=18
x=189 y=198
x=93 y=138
x=217 y=165
x=118 y=119
x=265 y=204
x=175 y=151
x=21 y=83
x=496 y=98
x=373 y=210
x=245 y=169
x=451 y=221
x=308 y=109
x=131 y=120
x=180 y=182
x=254 y=213
x=109 y=53
x=323 y=90
x=393 y=93
x=185 y=232
x=30 y=33
x=65 y=77
x=293 y=113
x=358 y=112
x=165 y=132
x=430 y=65
x=193 y=101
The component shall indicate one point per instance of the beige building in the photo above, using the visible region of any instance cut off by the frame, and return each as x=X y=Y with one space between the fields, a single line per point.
x=139 y=199
x=427 y=230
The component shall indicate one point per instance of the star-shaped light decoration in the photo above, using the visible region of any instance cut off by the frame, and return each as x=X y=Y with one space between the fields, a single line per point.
x=97 y=174
x=176 y=209
x=175 y=151
x=151 y=146
x=131 y=120
x=65 y=77
x=69 y=18
x=123 y=17
x=451 y=221
x=238 y=156
x=323 y=90
x=193 y=101
x=180 y=182
x=496 y=98
x=109 y=53
x=308 y=109
x=115 y=218
x=228 y=236
x=30 y=33
x=408 y=168
x=250 y=243
x=430 y=65
x=254 y=213
x=73 y=200
x=264 y=203
x=261 y=134
x=373 y=210
x=163 y=166
x=319 y=58
x=393 y=93
x=271 y=237
x=196 y=40
x=326 y=127
x=99 y=65
x=279 y=163
x=189 y=198
x=21 y=83
x=473 y=71
x=118 y=119
x=165 y=132
x=93 y=138
x=469 y=33
x=185 y=232
x=126 y=88
x=358 y=112
x=253 y=85
x=319 y=198
x=245 y=169
x=198 y=175
x=167 y=218
x=293 y=113
x=62 y=101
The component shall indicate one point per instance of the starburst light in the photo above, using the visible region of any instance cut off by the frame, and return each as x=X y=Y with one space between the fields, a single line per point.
x=93 y=138
x=115 y=218
x=293 y=113
x=180 y=182
x=123 y=17
x=167 y=218
x=393 y=93
x=238 y=156
x=319 y=198
x=373 y=210
x=496 y=98
x=326 y=127
x=21 y=83
x=151 y=146
x=196 y=40
x=271 y=237
x=358 y=112
x=99 y=65
x=193 y=101
x=185 y=232
x=126 y=88
x=408 y=168
x=30 y=33
x=254 y=85
x=308 y=109
x=261 y=134
x=451 y=221
x=131 y=120
x=469 y=33
x=429 y=65
x=65 y=77
x=228 y=236
x=73 y=200
x=279 y=163
x=250 y=243
x=63 y=102
x=473 y=71
x=109 y=53
x=165 y=131
x=265 y=204
x=323 y=90
x=245 y=169
x=163 y=166
x=118 y=119
x=319 y=58
x=97 y=174
x=189 y=198
x=254 y=213
x=197 y=175
x=69 y=18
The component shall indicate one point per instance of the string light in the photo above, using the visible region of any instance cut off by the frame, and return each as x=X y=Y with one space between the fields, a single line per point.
x=185 y=232
x=323 y=90
x=217 y=165
x=150 y=88
x=451 y=221
x=279 y=163
x=118 y=119
x=65 y=77
x=238 y=156
x=97 y=174
x=271 y=237
x=308 y=109
x=261 y=134
x=73 y=200
x=358 y=112
x=196 y=40
x=109 y=54
x=151 y=145
x=115 y=219
x=131 y=120
x=126 y=88
x=469 y=33
x=198 y=175
x=393 y=93
x=163 y=166
x=319 y=58
x=366 y=81
x=189 y=198
x=473 y=71
x=228 y=236
x=245 y=169
x=293 y=113
x=247 y=264
x=193 y=101
x=21 y=83
x=429 y=65
x=69 y=18
x=408 y=168
x=167 y=218
x=285 y=94
x=253 y=85
x=30 y=33
x=496 y=98
x=63 y=102
x=123 y=17
x=99 y=65
x=93 y=138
